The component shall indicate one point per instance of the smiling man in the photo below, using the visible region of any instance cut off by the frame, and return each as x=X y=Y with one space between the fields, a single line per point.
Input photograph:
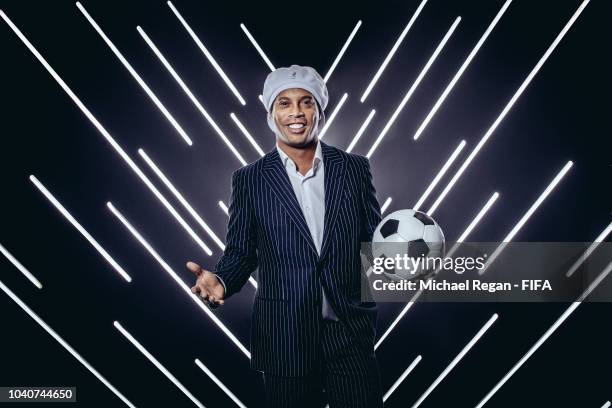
x=299 y=214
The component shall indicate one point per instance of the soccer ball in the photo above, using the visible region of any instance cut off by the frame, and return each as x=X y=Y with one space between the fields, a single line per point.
x=407 y=232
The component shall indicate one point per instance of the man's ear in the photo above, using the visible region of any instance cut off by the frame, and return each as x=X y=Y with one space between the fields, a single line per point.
x=272 y=114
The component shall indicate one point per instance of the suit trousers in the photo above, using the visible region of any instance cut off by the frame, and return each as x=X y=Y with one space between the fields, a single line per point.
x=347 y=377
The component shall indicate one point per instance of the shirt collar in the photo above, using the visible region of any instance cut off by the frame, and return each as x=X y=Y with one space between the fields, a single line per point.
x=287 y=161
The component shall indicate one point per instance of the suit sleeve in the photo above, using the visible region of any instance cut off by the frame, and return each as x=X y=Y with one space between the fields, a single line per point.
x=371 y=208
x=239 y=259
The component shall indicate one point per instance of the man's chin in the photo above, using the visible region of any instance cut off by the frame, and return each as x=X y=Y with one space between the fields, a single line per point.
x=298 y=140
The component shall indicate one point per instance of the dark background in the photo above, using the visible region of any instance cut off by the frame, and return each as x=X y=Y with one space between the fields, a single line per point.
x=560 y=117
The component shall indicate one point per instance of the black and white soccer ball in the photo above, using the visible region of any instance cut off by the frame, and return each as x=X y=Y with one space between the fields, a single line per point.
x=407 y=232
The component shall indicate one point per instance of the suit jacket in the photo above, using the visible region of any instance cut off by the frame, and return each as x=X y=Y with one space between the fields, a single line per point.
x=267 y=229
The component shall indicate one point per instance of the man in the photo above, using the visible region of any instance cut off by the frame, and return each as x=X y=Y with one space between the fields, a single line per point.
x=299 y=214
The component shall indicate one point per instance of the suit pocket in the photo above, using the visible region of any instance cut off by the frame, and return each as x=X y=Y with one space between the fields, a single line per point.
x=367 y=305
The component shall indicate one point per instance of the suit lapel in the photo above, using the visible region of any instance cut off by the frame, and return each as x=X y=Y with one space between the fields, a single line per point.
x=334 y=166
x=276 y=176
x=277 y=179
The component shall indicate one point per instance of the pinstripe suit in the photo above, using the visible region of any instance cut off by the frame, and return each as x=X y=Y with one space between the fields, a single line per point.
x=267 y=229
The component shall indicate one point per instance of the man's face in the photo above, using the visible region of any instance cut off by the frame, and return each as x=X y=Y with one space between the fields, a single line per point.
x=294 y=112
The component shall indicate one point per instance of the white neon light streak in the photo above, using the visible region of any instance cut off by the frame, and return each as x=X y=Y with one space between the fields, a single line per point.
x=606 y=405
x=246 y=133
x=385 y=205
x=63 y=343
x=547 y=334
x=224 y=207
x=509 y=105
x=157 y=364
x=456 y=360
x=219 y=383
x=414 y=86
x=135 y=75
x=360 y=131
x=177 y=279
x=105 y=133
x=401 y=378
x=190 y=95
x=80 y=228
x=463 y=236
x=463 y=67
x=186 y=204
x=600 y=238
x=539 y=201
x=342 y=51
x=257 y=47
x=20 y=267
x=331 y=118
x=526 y=216
x=478 y=217
x=208 y=55
x=181 y=199
x=392 y=52
x=440 y=174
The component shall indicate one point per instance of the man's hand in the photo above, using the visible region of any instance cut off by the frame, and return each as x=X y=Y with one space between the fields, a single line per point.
x=207 y=285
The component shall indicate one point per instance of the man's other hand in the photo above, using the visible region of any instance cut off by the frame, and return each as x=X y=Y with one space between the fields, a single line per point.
x=207 y=285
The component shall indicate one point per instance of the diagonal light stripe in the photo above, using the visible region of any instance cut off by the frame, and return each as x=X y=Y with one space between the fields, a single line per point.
x=539 y=201
x=157 y=364
x=414 y=86
x=135 y=75
x=262 y=102
x=224 y=207
x=478 y=217
x=606 y=405
x=547 y=334
x=105 y=133
x=181 y=199
x=246 y=133
x=80 y=228
x=176 y=278
x=440 y=174
x=190 y=95
x=342 y=51
x=21 y=268
x=257 y=47
x=61 y=341
x=392 y=52
x=186 y=204
x=510 y=104
x=526 y=216
x=462 y=69
x=385 y=205
x=600 y=238
x=397 y=383
x=463 y=236
x=331 y=118
x=208 y=55
x=360 y=131
x=219 y=383
x=456 y=360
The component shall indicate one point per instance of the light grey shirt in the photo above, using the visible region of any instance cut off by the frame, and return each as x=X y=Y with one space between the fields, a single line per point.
x=310 y=193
